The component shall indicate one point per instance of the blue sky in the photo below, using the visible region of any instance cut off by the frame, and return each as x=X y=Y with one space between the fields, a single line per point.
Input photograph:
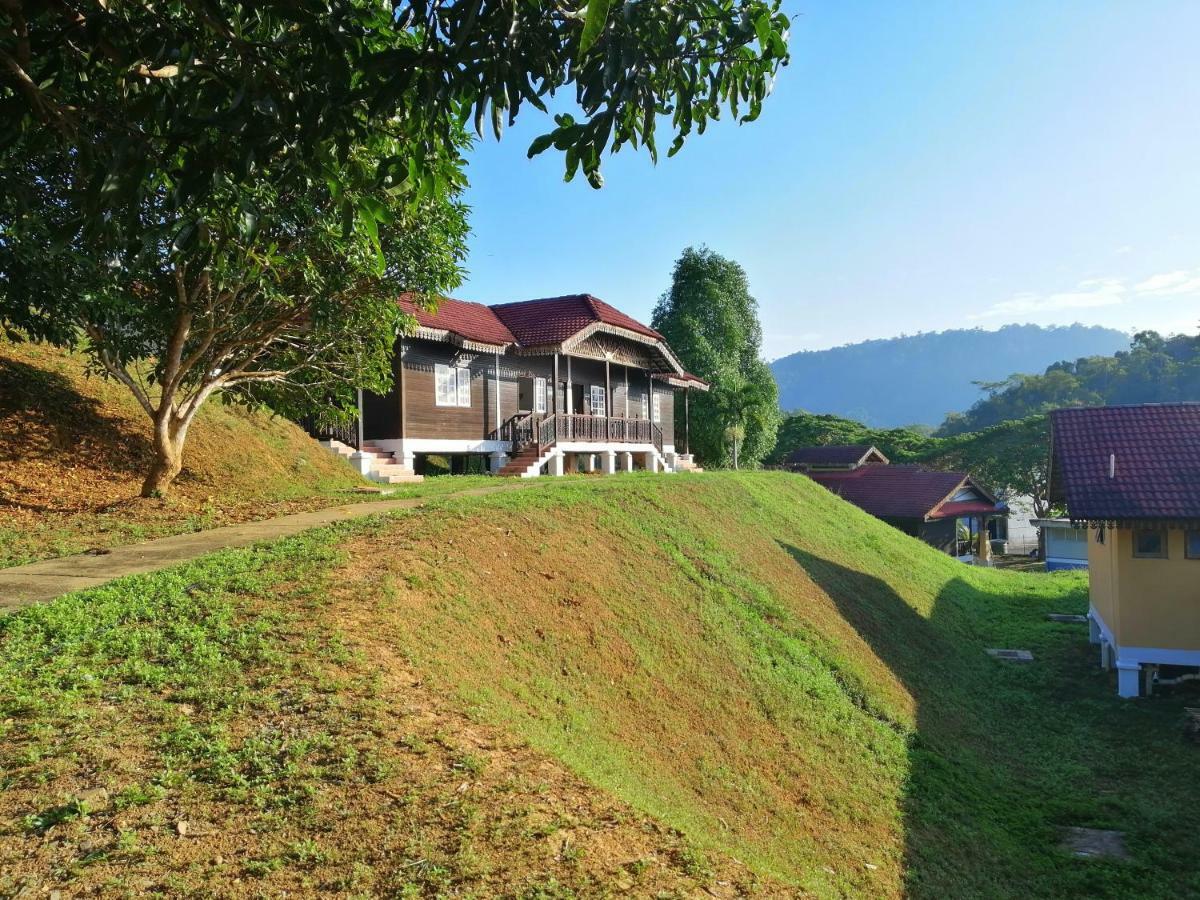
x=920 y=166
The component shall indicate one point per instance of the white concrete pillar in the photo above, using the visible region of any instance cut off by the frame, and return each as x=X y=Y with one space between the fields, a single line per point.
x=1095 y=636
x=589 y=462
x=555 y=464
x=362 y=462
x=608 y=460
x=1129 y=679
x=499 y=460
x=651 y=461
x=626 y=460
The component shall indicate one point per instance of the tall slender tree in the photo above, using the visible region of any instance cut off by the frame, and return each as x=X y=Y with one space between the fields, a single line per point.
x=711 y=321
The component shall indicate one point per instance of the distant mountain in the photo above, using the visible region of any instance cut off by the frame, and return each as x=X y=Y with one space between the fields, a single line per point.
x=920 y=378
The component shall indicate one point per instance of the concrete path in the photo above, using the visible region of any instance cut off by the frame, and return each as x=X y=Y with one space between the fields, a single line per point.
x=38 y=582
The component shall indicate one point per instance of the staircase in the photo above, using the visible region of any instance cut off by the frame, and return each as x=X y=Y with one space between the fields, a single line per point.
x=685 y=462
x=383 y=466
x=527 y=462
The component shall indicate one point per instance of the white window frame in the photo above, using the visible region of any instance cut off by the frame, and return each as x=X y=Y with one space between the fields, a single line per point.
x=451 y=385
x=539 y=395
x=656 y=406
x=644 y=403
x=597 y=390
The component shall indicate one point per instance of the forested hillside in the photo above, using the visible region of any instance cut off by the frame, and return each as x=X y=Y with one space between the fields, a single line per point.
x=922 y=378
x=1155 y=369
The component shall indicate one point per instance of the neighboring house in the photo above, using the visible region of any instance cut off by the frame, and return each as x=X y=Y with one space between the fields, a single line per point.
x=1066 y=544
x=834 y=458
x=947 y=510
x=543 y=386
x=1131 y=476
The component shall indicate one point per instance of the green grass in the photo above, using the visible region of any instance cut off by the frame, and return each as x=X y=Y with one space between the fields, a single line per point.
x=783 y=678
x=739 y=657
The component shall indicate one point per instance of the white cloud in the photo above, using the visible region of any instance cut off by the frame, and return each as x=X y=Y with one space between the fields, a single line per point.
x=1170 y=283
x=1089 y=294
x=1094 y=293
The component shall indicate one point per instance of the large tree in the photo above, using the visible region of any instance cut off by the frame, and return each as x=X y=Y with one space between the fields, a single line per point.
x=219 y=195
x=711 y=321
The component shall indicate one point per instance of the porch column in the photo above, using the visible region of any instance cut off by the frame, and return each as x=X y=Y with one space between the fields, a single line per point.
x=555 y=464
x=569 y=399
x=626 y=368
x=360 y=419
x=626 y=461
x=496 y=391
x=607 y=389
x=687 y=421
x=608 y=462
x=556 y=384
x=651 y=461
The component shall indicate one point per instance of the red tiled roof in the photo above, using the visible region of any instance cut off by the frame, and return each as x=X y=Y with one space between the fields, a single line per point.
x=1154 y=454
x=829 y=455
x=555 y=319
x=892 y=492
x=472 y=321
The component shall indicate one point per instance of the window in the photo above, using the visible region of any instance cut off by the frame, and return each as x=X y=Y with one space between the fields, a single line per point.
x=539 y=395
x=452 y=385
x=1191 y=545
x=644 y=400
x=597 y=400
x=656 y=407
x=1149 y=544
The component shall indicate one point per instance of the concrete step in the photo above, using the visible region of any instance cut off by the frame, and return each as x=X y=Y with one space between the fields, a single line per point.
x=397 y=479
x=391 y=469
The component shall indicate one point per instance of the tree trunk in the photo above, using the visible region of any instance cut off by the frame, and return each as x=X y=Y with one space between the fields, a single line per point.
x=169 y=434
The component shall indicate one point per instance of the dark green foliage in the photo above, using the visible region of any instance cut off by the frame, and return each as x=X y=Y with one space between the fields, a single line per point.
x=1153 y=370
x=711 y=321
x=923 y=377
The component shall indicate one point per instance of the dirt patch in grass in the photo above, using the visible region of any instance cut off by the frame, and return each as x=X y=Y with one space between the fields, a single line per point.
x=74 y=450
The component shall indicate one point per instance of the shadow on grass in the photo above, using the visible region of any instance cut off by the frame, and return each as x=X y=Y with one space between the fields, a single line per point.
x=43 y=416
x=1006 y=753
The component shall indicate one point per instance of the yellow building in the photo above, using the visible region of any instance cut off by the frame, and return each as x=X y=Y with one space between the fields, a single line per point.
x=1131 y=474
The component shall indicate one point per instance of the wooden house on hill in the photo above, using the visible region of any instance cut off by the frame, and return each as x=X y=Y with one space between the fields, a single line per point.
x=536 y=387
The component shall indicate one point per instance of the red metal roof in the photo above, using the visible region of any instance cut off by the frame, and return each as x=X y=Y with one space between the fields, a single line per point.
x=894 y=492
x=552 y=320
x=472 y=321
x=1128 y=463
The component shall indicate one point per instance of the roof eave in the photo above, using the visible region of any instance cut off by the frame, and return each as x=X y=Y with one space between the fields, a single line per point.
x=463 y=343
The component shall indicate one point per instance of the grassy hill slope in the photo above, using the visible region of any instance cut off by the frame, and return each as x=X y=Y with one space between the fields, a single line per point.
x=734 y=683
x=74 y=451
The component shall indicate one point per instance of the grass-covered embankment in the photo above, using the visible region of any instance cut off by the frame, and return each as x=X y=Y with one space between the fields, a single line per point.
x=743 y=658
x=74 y=449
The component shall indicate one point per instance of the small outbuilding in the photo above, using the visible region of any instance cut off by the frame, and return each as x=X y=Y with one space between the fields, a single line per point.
x=1130 y=475
x=947 y=510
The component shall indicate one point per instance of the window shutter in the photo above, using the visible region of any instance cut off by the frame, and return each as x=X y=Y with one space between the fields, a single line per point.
x=443 y=379
x=464 y=387
x=539 y=395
